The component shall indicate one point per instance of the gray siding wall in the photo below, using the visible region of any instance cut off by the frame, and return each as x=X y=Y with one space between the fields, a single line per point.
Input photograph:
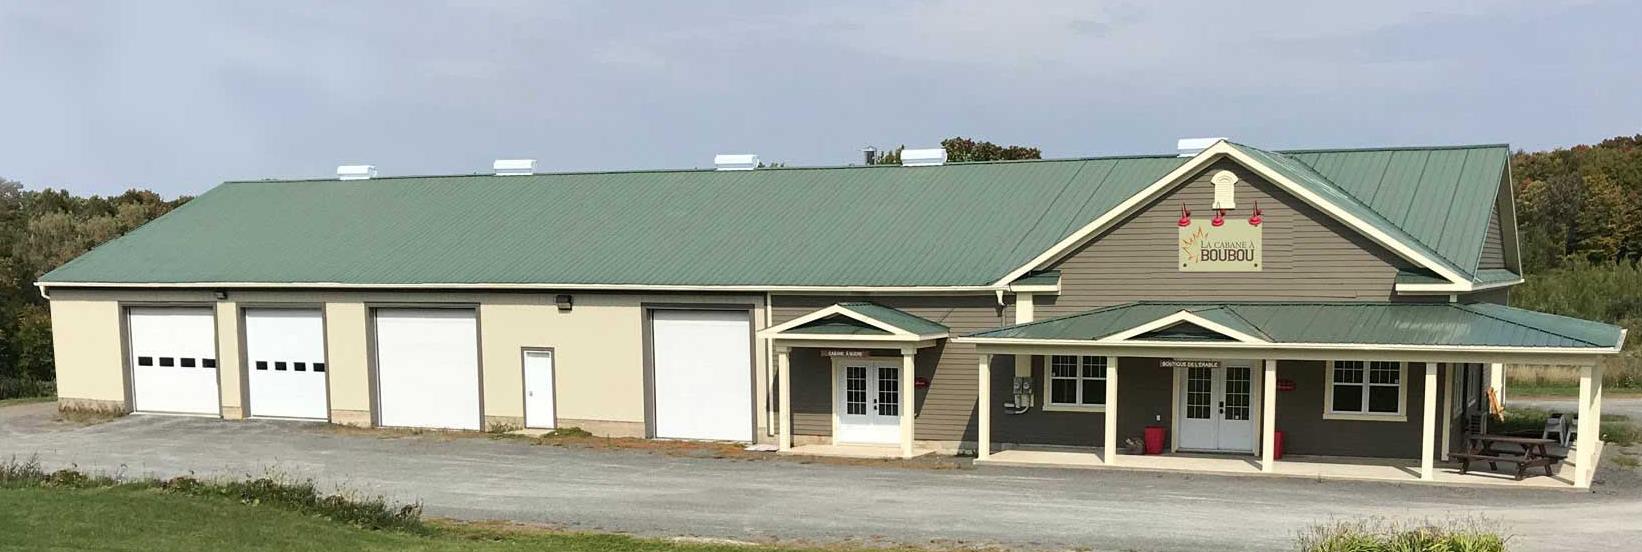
x=1144 y=395
x=1493 y=246
x=1300 y=417
x=1307 y=256
x=946 y=409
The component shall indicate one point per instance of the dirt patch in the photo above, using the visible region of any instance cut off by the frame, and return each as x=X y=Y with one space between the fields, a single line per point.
x=573 y=438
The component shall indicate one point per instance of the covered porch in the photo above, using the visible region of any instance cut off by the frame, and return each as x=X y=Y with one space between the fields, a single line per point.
x=872 y=354
x=1385 y=388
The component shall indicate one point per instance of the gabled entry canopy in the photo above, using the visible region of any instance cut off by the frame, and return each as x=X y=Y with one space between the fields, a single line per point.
x=1470 y=332
x=858 y=321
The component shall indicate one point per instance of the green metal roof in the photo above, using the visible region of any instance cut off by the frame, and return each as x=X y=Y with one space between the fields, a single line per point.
x=1436 y=324
x=962 y=224
x=908 y=322
x=1482 y=277
x=1436 y=200
x=954 y=225
x=838 y=325
x=1441 y=197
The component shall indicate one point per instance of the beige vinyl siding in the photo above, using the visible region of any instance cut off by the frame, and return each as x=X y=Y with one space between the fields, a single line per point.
x=1307 y=255
x=945 y=410
x=1493 y=246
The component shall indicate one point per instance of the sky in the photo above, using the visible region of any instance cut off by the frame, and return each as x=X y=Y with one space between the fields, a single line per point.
x=100 y=97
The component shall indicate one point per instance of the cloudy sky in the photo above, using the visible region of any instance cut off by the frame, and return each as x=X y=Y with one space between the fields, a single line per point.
x=101 y=97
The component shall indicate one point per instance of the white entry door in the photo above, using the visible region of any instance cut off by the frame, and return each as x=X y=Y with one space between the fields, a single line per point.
x=702 y=374
x=285 y=349
x=868 y=402
x=1217 y=407
x=427 y=368
x=539 y=412
x=173 y=360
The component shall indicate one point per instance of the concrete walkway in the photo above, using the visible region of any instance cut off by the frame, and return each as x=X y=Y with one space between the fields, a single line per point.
x=784 y=500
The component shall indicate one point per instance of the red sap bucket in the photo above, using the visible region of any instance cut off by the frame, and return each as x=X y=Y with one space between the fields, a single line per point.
x=1277 y=445
x=1154 y=439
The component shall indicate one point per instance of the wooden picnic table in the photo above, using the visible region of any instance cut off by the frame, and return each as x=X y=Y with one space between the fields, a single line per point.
x=1530 y=452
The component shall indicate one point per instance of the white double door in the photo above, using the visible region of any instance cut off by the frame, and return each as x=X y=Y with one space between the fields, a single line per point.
x=868 y=401
x=1219 y=407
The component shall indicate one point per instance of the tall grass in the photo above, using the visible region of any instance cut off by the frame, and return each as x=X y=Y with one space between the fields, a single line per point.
x=1378 y=535
x=1606 y=292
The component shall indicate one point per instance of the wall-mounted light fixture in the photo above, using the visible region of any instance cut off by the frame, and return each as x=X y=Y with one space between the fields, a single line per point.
x=221 y=295
x=564 y=303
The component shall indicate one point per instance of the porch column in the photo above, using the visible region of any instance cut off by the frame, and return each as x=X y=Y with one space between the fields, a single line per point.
x=983 y=410
x=1590 y=381
x=1268 y=417
x=1109 y=436
x=784 y=374
x=1023 y=314
x=1496 y=380
x=908 y=372
x=1447 y=409
x=1428 y=436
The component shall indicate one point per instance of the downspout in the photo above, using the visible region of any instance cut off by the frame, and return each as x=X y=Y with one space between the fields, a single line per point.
x=42 y=289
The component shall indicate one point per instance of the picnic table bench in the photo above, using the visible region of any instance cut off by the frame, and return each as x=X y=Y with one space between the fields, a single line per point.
x=1530 y=453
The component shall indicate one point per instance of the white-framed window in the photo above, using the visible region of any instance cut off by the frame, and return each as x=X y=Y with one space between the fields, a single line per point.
x=1368 y=390
x=1077 y=382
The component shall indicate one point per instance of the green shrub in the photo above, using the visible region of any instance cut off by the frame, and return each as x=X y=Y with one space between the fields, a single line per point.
x=1382 y=536
x=17 y=388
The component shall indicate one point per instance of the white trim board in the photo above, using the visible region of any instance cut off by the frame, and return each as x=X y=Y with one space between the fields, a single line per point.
x=1223 y=149
x=1183 y=316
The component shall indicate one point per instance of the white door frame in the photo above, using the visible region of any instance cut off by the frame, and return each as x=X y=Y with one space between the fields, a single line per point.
x=524 y=380
x=1256 y=405
x=873 y=363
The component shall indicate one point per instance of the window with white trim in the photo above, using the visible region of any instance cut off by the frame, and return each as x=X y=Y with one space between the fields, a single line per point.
x=1373 y=388
x=1077 y=381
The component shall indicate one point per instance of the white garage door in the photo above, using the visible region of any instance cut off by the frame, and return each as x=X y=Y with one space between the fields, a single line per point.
x=173 y=360
x=427 y=368
x=703 y=374
x=285 y=349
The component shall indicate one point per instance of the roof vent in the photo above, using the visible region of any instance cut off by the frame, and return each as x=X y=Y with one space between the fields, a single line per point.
x=735 y=162
x=1193 y=146
x=355 y=172
x=923 y=157
x=514 y=167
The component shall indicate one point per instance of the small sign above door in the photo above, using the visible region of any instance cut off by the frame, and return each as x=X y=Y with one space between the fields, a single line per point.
x=843 y=353
x=1176 y=363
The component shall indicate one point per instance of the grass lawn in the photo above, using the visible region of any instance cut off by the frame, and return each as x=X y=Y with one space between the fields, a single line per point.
x=26 y=400
x=1526 y=391
x=126 y=518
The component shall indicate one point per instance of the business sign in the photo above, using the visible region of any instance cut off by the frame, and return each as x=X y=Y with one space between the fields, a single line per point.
x=1177 y=363
x=1234 y=246
x=846 y=353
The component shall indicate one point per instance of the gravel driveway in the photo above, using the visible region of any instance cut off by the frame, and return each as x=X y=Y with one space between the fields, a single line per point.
x=658 y=494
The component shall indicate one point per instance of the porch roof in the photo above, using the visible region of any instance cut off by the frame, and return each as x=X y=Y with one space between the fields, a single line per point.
x=858 y=321
x=1322 y=324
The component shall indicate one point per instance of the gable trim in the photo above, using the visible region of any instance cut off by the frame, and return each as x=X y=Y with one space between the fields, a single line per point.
x=1223 y=149
x=1127 y=336
x=779 y=331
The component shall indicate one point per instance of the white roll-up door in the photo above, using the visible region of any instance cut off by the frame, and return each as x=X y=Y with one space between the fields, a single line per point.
x=173 y=360
x=427 y=368
x=285 y=355
x=702 y=374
